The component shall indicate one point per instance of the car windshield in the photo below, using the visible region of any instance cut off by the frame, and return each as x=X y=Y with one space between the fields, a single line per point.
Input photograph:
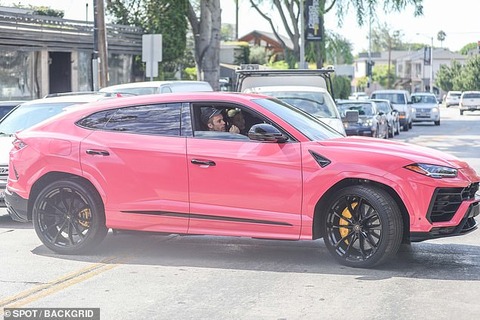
x=28 y=115
x=383 y=106
x=423 y=99
x=310 y=126
x=364 y=109
x=318 y=104
x=397 y=98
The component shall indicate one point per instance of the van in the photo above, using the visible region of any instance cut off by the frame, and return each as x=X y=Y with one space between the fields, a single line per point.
x=400 y=100
x=306 y=89
x=153 y=87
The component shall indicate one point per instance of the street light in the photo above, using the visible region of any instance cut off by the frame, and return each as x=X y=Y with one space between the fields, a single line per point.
x=431 y=60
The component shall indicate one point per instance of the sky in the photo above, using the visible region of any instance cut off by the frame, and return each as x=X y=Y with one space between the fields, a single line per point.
x=458 y=19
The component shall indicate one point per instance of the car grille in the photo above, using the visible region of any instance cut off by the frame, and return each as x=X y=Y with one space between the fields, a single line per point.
x=447 y=200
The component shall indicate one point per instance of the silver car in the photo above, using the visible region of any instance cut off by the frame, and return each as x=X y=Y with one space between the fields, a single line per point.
x=425 y=107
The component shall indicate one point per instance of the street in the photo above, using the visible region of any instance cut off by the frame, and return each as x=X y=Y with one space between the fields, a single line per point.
x=152 y=276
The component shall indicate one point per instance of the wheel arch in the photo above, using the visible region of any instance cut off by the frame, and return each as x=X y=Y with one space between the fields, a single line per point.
x=49 y=178
x=321 y=206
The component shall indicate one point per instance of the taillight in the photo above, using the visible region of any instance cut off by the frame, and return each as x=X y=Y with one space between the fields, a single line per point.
x=18 y=144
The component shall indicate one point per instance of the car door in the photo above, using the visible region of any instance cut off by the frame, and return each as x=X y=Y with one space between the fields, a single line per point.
x=139 y=158
x=245 y=188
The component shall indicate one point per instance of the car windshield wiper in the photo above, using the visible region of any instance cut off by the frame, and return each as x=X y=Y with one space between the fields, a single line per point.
x=6 y=134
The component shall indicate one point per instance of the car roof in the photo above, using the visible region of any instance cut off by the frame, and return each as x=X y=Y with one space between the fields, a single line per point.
x=423 y=94
x=75 y=98
x=177 y=97
x=286 y=89
x=11 y=102
x=152 y=84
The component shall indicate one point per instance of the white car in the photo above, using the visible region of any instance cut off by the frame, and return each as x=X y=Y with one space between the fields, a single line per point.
x=452 y=98
x=469 y=101
x=28 y=114
x=153 y=87
x=425 y=107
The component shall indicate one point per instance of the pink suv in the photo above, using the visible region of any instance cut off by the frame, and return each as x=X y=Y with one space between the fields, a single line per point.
x=148 y=163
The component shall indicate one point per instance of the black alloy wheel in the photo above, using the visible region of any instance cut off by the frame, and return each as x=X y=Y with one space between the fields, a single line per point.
x=69 y=217
x=363 y=226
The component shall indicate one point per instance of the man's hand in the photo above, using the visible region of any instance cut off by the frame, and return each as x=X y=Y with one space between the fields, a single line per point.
x=234 y=129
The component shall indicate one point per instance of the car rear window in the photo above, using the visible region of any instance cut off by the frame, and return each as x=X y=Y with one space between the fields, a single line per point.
x=472 y=95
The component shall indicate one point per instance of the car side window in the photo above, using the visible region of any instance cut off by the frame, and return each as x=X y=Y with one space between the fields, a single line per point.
x=163 y=119
x=227 y=112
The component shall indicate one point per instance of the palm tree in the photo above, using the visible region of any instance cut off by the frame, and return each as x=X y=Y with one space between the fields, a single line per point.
x=441 y=35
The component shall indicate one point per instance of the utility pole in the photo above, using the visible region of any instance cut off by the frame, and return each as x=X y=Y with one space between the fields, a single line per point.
x=431 y=65
x=302 y=35
x=100 y=56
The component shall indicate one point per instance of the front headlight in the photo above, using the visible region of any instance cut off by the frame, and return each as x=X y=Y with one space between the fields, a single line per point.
x=368 y=123
x=435 y=110
x=434 y=171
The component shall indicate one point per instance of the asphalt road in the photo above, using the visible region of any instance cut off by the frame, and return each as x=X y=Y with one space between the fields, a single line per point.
x=151 y=276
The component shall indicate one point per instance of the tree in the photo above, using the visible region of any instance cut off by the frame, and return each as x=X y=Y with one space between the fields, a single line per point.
x=385 y=39
x=338 y=49
x=289 y=11
x=205 y=21
x=469 y=78
x=383 y=75
x=441 y=35
x=156 y=17
x=446 y=75
x=341 y=86
x=468 y=47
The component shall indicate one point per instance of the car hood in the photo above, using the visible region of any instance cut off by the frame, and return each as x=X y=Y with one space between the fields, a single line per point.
x=5 y=147
x=424 y=105
x=385 y=150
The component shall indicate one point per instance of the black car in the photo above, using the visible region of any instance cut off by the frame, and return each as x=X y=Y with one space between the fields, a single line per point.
x=362 y=118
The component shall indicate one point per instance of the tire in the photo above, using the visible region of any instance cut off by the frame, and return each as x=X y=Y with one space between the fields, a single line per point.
x=461 y=112
x=397 y=125
x=405 y=127
x=363 y=227
x=437 y=123
x=410 y=125
x=68 y=217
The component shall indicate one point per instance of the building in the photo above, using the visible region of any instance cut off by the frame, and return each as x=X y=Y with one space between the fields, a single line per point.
x=40 y=55
x=412 y=68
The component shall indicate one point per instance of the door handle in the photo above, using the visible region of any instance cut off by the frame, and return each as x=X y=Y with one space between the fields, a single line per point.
x=204 y=162
x=98 y=152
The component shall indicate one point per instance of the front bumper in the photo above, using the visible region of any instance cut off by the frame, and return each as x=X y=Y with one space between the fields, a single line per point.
x=466 y=225
x=17 y=207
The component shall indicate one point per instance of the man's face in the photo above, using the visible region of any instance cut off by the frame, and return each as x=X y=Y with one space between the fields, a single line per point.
x=216 y=123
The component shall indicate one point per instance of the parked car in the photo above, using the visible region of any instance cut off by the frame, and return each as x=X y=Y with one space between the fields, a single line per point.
x=143 y=163
x=358 y=96
x=313 y=100
x=309 y=90
x=28 y=114
x=370 y=121
x=452 y=98
x=425 y=107
x=469 y=101
x=400 y=99
x=393 y=119
x=152 y=87
x=6 y=106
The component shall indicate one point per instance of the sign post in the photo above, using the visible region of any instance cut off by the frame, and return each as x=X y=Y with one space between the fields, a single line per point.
x=151 y=53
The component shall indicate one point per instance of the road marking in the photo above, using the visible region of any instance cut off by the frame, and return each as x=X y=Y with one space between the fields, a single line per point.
x=41 y=291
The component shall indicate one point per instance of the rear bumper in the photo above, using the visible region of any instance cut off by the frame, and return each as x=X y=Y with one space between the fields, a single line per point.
x=17 y=207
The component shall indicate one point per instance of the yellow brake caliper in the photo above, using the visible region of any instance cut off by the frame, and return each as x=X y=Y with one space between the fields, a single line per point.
x=84 y=217
x=343 y=222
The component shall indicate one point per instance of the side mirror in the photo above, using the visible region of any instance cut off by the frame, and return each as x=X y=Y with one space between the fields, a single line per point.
x=266 y=132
